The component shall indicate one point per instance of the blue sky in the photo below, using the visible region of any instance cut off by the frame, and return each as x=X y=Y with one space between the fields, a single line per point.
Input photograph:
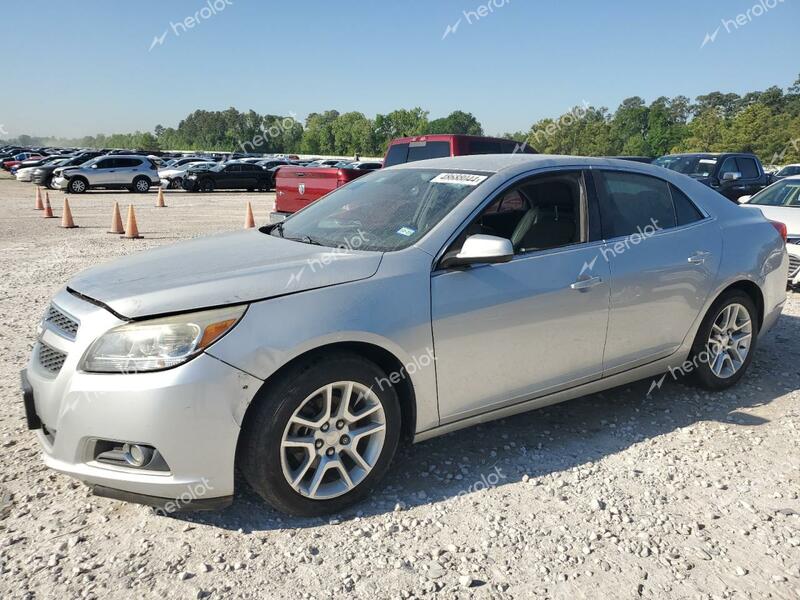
x=86 y=67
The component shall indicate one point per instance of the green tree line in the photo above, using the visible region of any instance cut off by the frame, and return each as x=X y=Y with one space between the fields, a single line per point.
x=764 y=122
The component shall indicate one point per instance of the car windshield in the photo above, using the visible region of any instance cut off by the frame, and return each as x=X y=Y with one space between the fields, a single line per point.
x=382 y=211
x=694 y=166
x=789 y=171
x=784 y=193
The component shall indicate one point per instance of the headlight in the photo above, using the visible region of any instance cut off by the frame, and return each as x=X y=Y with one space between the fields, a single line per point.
x=159 y=343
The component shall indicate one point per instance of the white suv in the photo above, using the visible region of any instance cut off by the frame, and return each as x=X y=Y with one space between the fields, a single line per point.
x=134 y=173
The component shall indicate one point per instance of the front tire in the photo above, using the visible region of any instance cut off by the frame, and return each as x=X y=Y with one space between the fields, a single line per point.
x=726 y=341
x=206 y=185
x=77 y=185
x=321 y=436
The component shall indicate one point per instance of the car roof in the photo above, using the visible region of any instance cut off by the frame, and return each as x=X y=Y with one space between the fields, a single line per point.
x=496 y=163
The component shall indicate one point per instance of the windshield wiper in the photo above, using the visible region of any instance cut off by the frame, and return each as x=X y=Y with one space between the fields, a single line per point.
x=305 y=239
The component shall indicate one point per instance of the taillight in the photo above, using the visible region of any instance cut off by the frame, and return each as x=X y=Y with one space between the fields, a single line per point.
x=345 y=176
x=781 y=229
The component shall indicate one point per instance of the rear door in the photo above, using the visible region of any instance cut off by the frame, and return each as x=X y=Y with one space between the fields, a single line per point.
x=663 y=254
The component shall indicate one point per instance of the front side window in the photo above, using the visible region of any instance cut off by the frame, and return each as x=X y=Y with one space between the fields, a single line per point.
x=729 y=166
x=632 y=203
x=747 y=167
x=384 y=211
x=541 y=213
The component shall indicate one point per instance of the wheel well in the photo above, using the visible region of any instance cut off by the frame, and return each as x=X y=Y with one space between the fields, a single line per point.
x=387 y=361
x=752 y=290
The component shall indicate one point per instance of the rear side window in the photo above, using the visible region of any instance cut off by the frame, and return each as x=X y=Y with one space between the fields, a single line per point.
x=630 y=202
x=748 y=168
x=685 y=210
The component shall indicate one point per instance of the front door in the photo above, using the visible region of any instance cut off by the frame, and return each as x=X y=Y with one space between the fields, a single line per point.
x=506 y=333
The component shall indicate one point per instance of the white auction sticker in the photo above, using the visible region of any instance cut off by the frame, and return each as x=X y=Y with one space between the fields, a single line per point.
x=460 y=178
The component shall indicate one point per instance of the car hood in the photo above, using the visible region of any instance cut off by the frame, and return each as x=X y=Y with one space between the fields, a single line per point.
x=219 y=270
x=786 y=215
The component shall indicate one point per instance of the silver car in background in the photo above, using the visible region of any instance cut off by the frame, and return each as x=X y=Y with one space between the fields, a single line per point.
x=414 y=301
x=134 y=173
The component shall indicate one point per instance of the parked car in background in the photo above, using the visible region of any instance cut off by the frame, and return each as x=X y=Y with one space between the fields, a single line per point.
x=44 y=174
x=171 y=368
x=172 y=177
x=235 y=175
x=781 y=202
x=641 y=159
x=788 y=171
x=15 y=160
x=24 y=172
x=731 y=174
x=298 y=187
x=135 y=173
x=366 y=165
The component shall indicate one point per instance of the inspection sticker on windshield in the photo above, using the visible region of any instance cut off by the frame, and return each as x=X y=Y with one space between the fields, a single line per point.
x=406 y=231
x=460 y=178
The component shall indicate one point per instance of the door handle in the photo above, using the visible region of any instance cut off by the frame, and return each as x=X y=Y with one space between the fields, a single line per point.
x=699 y=258
x=586 y=284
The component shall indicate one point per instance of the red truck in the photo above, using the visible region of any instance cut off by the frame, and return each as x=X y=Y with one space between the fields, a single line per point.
x=297 y=187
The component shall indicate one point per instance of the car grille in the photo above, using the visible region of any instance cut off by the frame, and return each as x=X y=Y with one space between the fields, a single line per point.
x=50 y=358
x=62 y=322
x=794 y=265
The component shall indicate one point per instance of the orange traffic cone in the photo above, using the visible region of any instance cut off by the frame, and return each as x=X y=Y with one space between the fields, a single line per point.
x=160 y=202
x=116 y=221
x=249 y=221
x=131 y=230
x=66 y=217
x=39 y=204
x=48 y=210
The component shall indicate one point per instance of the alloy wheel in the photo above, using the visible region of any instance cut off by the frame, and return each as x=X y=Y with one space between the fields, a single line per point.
x=333 y=440
x=730 y=340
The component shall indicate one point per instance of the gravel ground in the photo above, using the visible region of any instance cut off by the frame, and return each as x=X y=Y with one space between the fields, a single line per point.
x=683 y=494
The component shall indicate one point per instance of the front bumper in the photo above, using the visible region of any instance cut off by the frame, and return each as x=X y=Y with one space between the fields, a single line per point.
x=191 y=414
x=60 y=183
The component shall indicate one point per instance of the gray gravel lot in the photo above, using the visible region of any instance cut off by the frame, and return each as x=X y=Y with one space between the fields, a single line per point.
x=683 y=494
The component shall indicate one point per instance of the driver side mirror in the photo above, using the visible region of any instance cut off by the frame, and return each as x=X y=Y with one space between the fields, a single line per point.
x=743 y=199
x=480 y=249
x=731 y=176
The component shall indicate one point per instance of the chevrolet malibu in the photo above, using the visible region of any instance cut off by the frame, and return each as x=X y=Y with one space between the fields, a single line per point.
x=415 y=301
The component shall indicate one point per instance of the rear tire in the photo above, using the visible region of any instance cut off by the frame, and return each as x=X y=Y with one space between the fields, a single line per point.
x=726 y=341
x=323 y=475
x=141 y=185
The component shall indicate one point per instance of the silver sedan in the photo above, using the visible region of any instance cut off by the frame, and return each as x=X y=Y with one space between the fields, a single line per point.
x=413 y=302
